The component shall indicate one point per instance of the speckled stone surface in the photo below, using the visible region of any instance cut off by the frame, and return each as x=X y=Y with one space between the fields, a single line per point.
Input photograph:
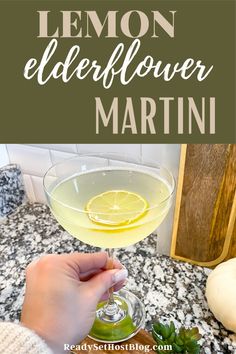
x=12 y=192
x=170 y=290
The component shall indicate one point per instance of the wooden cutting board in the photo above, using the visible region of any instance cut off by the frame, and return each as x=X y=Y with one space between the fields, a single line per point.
x=204 y=229
x=141 y=339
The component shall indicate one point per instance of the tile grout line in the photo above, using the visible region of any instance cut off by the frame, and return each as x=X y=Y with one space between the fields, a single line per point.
x=8 y=154
x=141 y=152
x=50 y=155
x=33 y=188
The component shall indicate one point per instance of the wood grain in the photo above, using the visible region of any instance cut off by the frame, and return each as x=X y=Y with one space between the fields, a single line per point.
x=142 y=338
x=232 y=251
x=206 y=194
x=222 y=208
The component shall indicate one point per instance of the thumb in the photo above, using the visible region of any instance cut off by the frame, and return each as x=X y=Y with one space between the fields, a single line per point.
x=103 y=281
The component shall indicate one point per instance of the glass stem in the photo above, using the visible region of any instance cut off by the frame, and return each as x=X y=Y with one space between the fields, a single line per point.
x=111 y=308
x=110 y=252
x=111 y=311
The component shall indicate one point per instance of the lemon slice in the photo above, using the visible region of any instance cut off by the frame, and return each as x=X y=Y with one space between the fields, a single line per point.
x=116 y=207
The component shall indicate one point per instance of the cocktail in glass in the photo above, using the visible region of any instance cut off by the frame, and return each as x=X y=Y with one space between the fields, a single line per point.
x=110 y=202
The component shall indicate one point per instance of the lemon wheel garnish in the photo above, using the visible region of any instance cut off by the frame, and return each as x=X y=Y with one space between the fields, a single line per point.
x=116 y=207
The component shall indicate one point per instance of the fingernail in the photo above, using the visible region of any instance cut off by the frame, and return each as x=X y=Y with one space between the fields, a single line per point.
x=119 y=276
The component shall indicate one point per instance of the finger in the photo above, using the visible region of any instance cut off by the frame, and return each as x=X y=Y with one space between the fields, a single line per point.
x=105 y=296
x=100 y=283
x=120 y=285
x=33 y=262
x=89 y=274
x=117 y=287
x=113 y=264
x=85 y=262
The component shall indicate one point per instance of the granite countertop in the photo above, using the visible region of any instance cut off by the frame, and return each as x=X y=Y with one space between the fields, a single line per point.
x=170 y=290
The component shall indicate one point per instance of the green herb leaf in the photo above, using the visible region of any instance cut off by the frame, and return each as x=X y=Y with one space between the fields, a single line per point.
x=185 y=341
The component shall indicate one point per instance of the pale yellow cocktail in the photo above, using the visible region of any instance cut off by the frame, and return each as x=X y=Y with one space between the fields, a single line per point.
x=112 y=207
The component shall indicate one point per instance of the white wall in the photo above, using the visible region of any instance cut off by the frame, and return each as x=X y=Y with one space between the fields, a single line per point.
x=34 y=161
x=4 y=159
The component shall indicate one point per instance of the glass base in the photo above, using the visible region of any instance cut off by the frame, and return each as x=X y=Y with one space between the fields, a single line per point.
x=124 y=324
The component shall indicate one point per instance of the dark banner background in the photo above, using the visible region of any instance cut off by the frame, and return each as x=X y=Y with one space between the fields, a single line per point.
x=61 y=113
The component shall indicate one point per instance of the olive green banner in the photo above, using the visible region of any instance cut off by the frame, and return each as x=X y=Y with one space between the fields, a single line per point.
x=117 y=71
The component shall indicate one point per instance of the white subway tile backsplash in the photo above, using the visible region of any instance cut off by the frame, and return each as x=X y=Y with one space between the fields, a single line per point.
x=166 y=155
x=58 y=156
x=118 y=163
x=32 y=160
x=164 y=233
x=35 y=159
x=121 y=149
x=42 y=146
x=59 y=147
x=38 y=189
x=64 y=147
x=29 y=189
x=4 y=159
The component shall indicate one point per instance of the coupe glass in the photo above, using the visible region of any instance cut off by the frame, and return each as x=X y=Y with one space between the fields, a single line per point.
x=110 y=201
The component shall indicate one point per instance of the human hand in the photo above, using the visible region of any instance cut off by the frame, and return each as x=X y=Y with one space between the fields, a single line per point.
x=62 y=293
